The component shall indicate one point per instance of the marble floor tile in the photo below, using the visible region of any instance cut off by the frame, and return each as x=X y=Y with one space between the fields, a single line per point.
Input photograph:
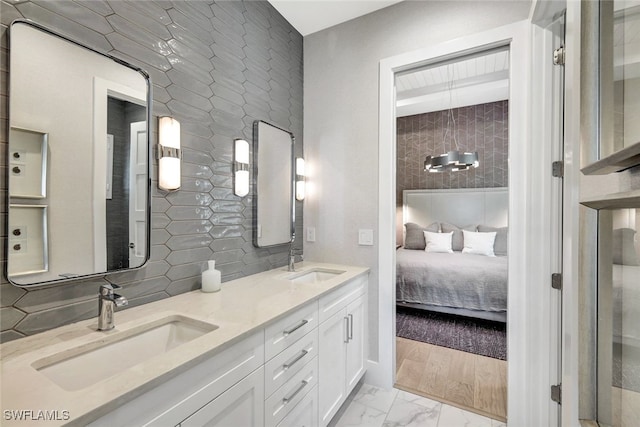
x=407 y=413
x=496 y=423
x=375 y=397
x=414 y=398
x=360 y=415
x=455 y=417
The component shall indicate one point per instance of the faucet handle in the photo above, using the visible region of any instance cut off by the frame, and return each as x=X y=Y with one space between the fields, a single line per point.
x=108 y=288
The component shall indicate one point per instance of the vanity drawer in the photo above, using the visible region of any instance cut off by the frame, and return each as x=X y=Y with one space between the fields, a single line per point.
x=290 y=361
x=181 y=396
x=305 y=413
x=338 y=299
x=280 y=403
x=290 y=329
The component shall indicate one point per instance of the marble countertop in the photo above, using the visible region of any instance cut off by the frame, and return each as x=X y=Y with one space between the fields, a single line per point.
x=241 y=307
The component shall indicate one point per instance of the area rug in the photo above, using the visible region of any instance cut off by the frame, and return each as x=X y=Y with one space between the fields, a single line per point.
x=477 y=336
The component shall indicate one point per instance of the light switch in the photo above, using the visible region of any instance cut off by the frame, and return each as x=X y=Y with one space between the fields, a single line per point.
x=365 y=237
x=311 y=234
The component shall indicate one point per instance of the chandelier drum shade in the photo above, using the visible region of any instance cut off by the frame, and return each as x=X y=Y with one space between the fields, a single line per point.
x=454 y=160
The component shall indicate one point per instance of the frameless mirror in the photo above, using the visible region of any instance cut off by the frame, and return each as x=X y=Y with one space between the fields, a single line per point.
x=78 y=160
x=273 y=171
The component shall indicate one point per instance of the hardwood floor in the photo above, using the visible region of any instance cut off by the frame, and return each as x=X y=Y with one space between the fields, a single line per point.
x=469 y=381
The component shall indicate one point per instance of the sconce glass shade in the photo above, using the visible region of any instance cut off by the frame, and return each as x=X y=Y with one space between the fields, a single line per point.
x=241 y=165
x=169 y=155
x=300 y=179
x=452 y=161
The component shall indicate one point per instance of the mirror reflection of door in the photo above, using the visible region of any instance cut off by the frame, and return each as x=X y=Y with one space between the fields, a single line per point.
x=137 y=193
x=125 y=209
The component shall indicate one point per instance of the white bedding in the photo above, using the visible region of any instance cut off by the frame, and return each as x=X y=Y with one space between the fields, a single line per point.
x=473 y=282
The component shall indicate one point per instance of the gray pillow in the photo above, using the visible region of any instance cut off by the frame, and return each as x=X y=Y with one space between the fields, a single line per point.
x=624 y=251
x=457 y=242
x=414 y=237
x=502 y=237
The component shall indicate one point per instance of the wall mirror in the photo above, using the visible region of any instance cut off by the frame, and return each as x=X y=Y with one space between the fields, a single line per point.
x=274 y=180
x=78 y=160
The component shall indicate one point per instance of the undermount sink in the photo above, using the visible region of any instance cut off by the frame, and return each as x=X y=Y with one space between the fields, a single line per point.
x=314 y=275
x=86 y=365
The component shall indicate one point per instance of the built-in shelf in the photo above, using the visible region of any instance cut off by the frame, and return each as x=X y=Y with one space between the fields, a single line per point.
x=624 y=200
x=623 y=159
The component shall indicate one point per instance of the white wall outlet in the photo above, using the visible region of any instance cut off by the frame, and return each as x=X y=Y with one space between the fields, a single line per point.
x=311 y=234
x=365 y=237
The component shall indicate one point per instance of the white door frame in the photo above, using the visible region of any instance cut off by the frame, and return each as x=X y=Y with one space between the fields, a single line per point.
x=529 y=270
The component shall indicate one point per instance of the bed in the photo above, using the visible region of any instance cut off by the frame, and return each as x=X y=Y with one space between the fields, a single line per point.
x=458 y=283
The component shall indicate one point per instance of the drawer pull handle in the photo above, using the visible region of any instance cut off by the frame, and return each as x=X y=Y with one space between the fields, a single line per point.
x=295 y=328
x=350 y=326
x=294 y=361
x=346 y=329
x=288 y=399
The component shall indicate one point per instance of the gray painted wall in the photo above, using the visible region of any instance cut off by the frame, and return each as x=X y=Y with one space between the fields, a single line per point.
x=216 y=67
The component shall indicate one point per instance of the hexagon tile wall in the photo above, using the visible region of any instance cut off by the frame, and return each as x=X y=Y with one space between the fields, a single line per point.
x=216 y=67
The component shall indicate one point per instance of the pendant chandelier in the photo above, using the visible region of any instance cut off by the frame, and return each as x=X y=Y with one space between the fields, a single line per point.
x=453 y=160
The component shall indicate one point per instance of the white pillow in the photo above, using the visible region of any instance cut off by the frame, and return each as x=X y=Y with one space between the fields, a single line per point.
x=438 y=242
x=478 y=243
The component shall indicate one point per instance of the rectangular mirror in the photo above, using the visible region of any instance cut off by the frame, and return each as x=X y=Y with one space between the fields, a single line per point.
x=274 y=182
x=78 y=160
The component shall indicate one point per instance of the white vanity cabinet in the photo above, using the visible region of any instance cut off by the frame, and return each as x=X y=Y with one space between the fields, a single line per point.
x=241 y=405
x=234 y=376
x=341 y=345
x=296 y=371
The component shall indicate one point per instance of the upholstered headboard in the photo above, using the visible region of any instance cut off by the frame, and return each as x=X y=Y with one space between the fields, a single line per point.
x=461 y=207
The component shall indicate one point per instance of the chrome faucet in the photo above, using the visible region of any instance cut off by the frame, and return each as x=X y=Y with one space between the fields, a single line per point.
x=107 y=303
x=292 y=257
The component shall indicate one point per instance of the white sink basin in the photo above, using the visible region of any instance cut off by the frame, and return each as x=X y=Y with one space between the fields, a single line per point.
x=315 y=275
x=86 y=365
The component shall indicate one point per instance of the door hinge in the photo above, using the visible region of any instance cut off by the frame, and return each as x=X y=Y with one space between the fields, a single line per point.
x=556 y=281
x=558 y=56
x=556 y=393
x=557 y=169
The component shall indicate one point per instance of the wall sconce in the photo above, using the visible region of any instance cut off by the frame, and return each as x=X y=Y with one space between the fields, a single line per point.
x=241 y=168
x=169 y=155
x=300 y=179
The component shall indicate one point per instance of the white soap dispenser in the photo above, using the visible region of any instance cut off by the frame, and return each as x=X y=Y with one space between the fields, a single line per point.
x=211 y=278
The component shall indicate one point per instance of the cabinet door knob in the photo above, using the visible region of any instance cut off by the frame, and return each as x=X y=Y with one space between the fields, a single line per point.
x=17 y=232
x=16 y=169
x=17 y=247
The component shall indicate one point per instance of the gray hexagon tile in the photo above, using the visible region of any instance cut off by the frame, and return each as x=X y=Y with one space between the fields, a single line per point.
x=178 y=287
x=184 y=271
x=64 y=25
x=189 y=256
x=99 y=6
x=9 y=317
x=138 y=34
x=216 y=67
x=141 y=18
x=177 y=243
x=177 y=228
x=195 y=184
x=188 y=39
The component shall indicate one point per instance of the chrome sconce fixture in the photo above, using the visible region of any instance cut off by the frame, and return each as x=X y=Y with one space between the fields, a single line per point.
x=241 y=167
x=169 y=154
x=300 y=179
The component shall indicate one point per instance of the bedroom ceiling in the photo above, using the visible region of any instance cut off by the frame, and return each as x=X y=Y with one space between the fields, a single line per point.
x=310 y=16
x=475 y=79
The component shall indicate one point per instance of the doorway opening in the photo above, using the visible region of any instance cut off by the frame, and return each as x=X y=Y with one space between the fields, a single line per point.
x=451 y=230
